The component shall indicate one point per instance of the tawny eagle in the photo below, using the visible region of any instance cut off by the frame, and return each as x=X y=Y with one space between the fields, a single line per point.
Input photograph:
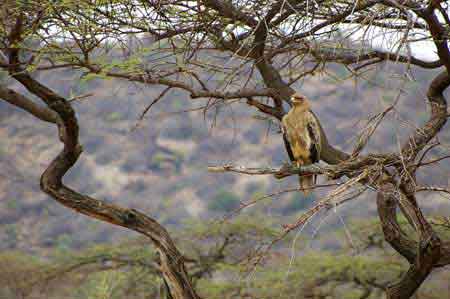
x=302 y=137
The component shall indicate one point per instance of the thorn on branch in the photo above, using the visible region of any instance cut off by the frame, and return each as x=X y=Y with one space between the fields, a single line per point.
x=80 y=97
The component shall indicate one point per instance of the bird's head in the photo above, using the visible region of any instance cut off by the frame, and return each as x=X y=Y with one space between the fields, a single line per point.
x=298 y=99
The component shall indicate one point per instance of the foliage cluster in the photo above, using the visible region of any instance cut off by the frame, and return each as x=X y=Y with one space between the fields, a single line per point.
x=220 y=260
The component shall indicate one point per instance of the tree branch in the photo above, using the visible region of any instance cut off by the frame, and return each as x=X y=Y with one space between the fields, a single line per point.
x=348 y=56
x=19 y=100
x=281 y=172
x=265 y=108
x=226 y=9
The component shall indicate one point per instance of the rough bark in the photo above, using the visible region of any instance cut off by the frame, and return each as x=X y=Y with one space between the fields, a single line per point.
x=17 y=99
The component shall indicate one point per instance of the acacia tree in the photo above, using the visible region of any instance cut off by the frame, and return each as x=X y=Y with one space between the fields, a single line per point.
x=250 y=52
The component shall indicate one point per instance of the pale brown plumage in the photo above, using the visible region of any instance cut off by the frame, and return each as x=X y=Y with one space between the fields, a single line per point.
x=302 y=135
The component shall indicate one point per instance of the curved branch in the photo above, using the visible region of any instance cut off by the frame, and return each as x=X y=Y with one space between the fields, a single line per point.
x=430 y=251
x=172 y=261
x=439 y=34
x=226 y=9
x=346 y=56
x=21 y=101
x=393 y=234
x=265 y=108
x=437 y=119
x=422 y=256
x=194 y=93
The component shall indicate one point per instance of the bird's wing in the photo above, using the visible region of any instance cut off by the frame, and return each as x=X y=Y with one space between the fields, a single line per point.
x=312 y=124
x=287 y=145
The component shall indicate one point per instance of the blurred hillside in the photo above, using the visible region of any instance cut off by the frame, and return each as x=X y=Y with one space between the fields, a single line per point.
x=159 y=164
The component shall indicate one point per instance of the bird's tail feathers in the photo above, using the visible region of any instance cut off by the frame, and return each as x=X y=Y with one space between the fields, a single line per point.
x=306 y=183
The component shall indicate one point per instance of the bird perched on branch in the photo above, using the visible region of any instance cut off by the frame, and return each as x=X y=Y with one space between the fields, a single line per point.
x=302 y=137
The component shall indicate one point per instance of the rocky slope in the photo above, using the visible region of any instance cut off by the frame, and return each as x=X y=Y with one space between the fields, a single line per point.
x=159 y=164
